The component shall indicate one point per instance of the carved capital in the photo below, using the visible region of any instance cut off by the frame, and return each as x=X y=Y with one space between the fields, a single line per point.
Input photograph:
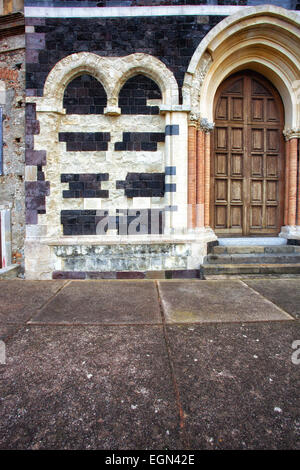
x=194 y=120
x=291 y=134
x=206 y=126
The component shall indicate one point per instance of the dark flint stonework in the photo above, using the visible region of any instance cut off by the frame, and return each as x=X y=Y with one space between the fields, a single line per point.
x=35 y=157
x=137 y=141
x=135 y=93
x=172 y=129
x=174 y=274
x=35 y=191
x=68 y=275
x=293 y=242
x=85 y=141
x=84 y=222
x=171 y=39
x=85 y=95
x=143 y=185
x=85 y=185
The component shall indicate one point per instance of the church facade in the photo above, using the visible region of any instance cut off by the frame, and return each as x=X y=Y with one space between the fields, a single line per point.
x=155 y=128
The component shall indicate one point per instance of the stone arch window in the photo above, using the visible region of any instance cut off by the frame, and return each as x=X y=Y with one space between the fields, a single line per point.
x=140 y=95
x=84 y=95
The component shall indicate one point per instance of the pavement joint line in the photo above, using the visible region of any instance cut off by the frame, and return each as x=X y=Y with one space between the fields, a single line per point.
x=32 y=323
x=232 y=322
x=47 y=301
x=267 y=300
x=11 y=335
x=182 y=426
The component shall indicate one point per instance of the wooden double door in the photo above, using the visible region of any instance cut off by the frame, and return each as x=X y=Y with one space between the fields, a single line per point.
x=247 y=167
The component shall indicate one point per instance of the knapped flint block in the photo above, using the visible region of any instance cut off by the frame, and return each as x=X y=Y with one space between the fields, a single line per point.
x=35 y=203
x=35 y=157
x=68 y=275
x=130 y=275
x=30 y=111
x=31 y=217
x=32 y=127
x=37 y=188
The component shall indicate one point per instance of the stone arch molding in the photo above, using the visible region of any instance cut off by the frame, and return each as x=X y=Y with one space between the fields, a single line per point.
x=265 y=39
x=112 y=72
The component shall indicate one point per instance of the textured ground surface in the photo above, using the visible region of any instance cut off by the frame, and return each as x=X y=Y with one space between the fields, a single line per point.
x=150 y=365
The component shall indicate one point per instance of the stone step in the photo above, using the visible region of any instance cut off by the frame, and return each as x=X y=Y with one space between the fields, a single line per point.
x=217 y=250
x=252 y=241
x=220 y=277
x=253 y=258
x=10 y=272
x=237 y=269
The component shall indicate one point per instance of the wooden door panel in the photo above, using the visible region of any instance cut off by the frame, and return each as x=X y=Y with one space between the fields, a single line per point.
x=272 y=111
x=257 y=191
x=256 y=217
x=237 y=109
x=257 y=166
x=221 y=190
x=222 y=109
x=221 y=138
x=273 y=140
x=271 y=214
x=236 y=164
x=221 y=164
x=257 y=140
x=221 y=217
x=236 y=191
x=237 y=217
x=247 y=165
x=257 y=109
x=237 y=138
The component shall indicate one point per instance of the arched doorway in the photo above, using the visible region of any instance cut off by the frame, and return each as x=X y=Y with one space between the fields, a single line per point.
x=247 y=166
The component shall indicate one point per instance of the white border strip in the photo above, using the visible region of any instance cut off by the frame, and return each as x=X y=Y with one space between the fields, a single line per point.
x=118 y=12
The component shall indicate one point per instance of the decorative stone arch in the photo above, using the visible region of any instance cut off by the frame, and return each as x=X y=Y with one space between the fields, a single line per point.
x=112 y=73
x=68 y=69
x=152 y=68
x=265 y=39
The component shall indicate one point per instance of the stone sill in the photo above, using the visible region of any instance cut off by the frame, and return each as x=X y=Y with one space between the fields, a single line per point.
x=91 y=240
x=9 y=272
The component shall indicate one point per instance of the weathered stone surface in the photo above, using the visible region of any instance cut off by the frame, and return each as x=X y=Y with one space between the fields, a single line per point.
x=237 y=385
x=19 y=300
x=93 y=302
x=136 y=257
x=12 y=68
x=88 y=388
x=284 y=292
x=215 y=301
x=171 y=39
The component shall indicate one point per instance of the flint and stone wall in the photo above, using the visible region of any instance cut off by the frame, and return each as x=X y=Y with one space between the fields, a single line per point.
x=109 y=105
x=100 y=158
x=12 y=95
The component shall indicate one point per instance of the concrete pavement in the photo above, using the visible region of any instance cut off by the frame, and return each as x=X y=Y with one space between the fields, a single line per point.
x=150 y=364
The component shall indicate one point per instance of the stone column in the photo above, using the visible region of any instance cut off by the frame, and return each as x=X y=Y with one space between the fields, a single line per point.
x=192 y=168
x=292 y=190
x=206 y=128
x=287 y=178
x=291 y=229
x=200 y=178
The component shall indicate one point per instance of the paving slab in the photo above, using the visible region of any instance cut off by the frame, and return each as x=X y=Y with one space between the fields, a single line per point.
x=98 y=302
x=238 y=386
x=283 y=292
x=88 y=387
x=215 y=301
x=8 y=330
x=20 y=299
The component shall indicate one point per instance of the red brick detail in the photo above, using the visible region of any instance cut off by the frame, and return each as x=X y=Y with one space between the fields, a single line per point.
x=8 y=74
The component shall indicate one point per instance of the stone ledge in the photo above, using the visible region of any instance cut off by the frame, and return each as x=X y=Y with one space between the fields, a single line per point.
x=10 y=272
